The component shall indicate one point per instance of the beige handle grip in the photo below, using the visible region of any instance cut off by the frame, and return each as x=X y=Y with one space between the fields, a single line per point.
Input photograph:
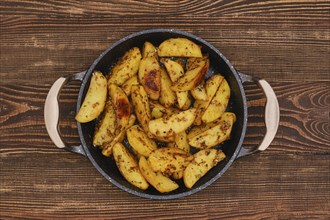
x=52 y=112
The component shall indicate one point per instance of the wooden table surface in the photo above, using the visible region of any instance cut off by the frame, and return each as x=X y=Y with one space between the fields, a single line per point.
x=285 y=42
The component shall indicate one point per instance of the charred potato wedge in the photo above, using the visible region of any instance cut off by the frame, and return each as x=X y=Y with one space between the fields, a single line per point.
x=169 y=160
x=126 y=67
x=216 y=134
x=140 y=141
x=105 y=130
x=119 y=137
x=128 y=166
x=121 y=105
x=171 y=125
x=203 y=161
x=160 y=182
x=167 y=96
x=218 y=104
x=179 y=47
x=193 y=77
x=149 y=76
x=127 y=86
x=95 y=99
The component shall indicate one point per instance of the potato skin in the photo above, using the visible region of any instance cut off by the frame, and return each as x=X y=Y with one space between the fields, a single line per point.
x=119 y=137
x=179 y=47
x=149 y=76
x=169 y=160
x=128 y=166
x=203 y=161
x=95 y=99
x=105 y=130
x=170 y=125
x=160 y=182
x=126 y=67
x=215 y=135
x=218 y=104
x=141 y=105
x=192 y=78
x=140 y=141
x=121 y=105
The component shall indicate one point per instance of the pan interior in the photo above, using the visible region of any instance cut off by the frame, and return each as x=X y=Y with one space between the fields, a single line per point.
x=218 y=64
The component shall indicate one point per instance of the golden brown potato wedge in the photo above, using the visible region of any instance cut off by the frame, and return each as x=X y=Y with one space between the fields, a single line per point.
x=95 y=99
x=127 y=86
x=175 y=71
x=167 y=96
x=216 y=134
x=141 y=106
x=159 y=111
x=169 y=160
x=140 y=141
x=126 y=67
x=177 y=175
x=105 y=130
x=171 y=125
x=121 y=105
x=128 y=166
x=200 y=108
x=149 y=76
x=182 y=142
x=204 y=160
x=179 y=47
x=212 y=85
x=218 y=104
x=149 y=50
x=192 y=77
x=107 y=147
x=161 y=183
x=199 y=92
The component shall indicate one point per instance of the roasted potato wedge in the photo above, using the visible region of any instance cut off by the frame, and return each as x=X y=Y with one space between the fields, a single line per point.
x=140 y=141
x=181 y=141
x=216 y=134
x=121 y=105
x=159 y=111
x=169 y=160
x=179 y=47
x=149 y=50
x=127 y=86
x=193 y=77
x=105 y=130
x=126 y=67
x=95 y=99
x=177 y=175
x=212 y=85
x=149 y=76
x=160 y=182
x=175 y=71
x=200 y=109
x=107 y=147
x=203 y=161
x=128 y=166
x=167 y=96
x=218 y=104
x=199 y=92
x=171 y=125
x=141 y=105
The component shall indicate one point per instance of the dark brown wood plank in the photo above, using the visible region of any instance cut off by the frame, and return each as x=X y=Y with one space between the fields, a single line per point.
x=271 y=47
x=304 y=126
x=65 y=185
x=165 y=8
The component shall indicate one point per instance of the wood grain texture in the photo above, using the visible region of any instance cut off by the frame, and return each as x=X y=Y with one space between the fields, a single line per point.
x=287 y=42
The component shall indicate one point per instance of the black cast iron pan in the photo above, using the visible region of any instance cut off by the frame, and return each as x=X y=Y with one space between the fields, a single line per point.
x=218 y=63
